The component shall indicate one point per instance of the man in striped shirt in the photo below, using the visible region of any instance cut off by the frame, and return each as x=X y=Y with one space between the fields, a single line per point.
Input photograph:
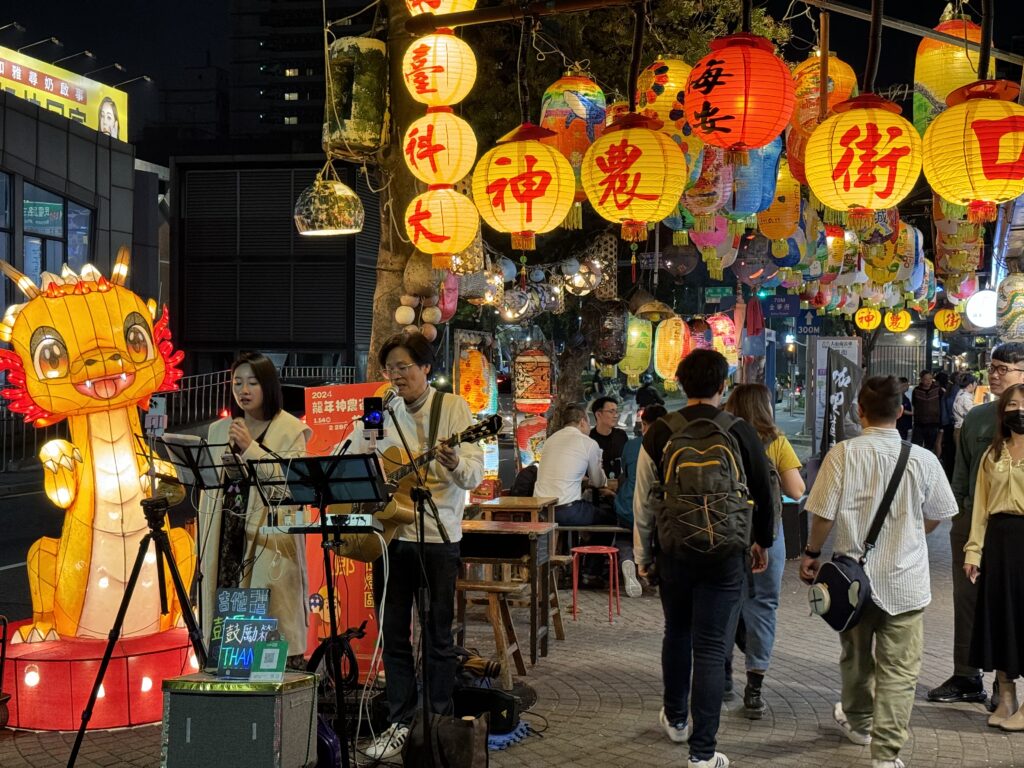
x=878 y=685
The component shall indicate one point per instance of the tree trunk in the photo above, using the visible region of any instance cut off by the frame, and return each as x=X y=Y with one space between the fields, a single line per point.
x=399 y=188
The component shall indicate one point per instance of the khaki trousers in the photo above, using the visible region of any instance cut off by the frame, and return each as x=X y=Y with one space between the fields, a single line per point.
x=880 y=663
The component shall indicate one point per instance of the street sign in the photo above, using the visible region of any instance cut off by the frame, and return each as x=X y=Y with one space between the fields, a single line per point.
x=716 y=293
x=808 y=324
x=781 y=306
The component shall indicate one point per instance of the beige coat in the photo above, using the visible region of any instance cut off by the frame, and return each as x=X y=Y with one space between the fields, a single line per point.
x=280 y=559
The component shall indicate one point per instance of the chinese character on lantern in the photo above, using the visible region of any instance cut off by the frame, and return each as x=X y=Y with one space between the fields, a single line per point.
x=617 y=181
x=866 y=150
x=897 y=322
x=420 y=145
x=417 y=226
x=526 y=187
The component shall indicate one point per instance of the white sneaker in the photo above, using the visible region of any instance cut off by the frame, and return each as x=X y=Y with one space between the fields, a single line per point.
x=897 y=763
x=857 y=737
x=676 y=732
x=633 y=586
x=718 y=761
x=389 y=743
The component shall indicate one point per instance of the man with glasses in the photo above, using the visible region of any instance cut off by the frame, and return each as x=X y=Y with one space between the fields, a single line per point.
x=976 y=432
x=607 y=434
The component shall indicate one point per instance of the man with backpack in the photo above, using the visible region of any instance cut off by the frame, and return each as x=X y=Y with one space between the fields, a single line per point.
x=881 y=654
x=702 y=494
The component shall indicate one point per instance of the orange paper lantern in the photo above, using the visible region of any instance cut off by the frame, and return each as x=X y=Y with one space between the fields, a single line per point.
x=524 y=187
x=740 y=96
x=864 y=158
x=440 y=148
x=974 y=151
x=416 y=7
x=441 y=222
x=940 y=68
x=439 y=69
x=475 y=379
x=842 y=84
x=782 y=217
x=634 y=174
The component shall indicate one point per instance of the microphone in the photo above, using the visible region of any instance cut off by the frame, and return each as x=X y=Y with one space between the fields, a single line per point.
x=390 y=395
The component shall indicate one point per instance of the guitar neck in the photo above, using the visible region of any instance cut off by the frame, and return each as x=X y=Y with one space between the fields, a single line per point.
x=471 y=435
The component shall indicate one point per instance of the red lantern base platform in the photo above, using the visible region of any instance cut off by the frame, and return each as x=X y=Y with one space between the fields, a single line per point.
x=50 y=682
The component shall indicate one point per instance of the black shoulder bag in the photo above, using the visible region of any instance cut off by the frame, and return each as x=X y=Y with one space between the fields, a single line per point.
x=842 y=589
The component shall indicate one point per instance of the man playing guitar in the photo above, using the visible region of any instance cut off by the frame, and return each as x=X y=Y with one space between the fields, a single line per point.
x=407 y=359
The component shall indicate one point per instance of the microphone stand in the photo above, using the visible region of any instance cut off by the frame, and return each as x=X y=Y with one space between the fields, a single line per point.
x=421 y=495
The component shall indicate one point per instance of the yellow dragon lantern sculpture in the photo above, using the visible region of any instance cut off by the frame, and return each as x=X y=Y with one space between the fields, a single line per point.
x=86 y=349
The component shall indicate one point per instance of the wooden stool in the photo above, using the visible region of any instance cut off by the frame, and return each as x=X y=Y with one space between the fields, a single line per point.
x=505 y=641
x=555 y=607
x=613 y=575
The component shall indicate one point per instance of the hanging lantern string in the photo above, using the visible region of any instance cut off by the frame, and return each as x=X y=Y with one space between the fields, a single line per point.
x=654 y=30
x=524 y=89
x=874 y=46
x=640 y=11
x=747 y=13
x=985 y=46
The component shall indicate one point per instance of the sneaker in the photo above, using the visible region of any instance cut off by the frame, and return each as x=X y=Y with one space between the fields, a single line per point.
x=895 y=763
x=753 y=704
x=959 y=688
x=717 y=761
x=633 y=586
x=678 y=732
x=389 y=743
x=857 y=737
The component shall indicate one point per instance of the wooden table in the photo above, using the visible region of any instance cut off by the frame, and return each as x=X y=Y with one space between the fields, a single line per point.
x=493 y=542
x=520 y=509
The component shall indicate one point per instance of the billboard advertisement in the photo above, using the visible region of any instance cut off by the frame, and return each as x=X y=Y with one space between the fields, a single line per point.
x=99 y=106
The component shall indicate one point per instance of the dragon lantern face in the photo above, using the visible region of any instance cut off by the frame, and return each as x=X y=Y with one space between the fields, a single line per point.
x=83 y=344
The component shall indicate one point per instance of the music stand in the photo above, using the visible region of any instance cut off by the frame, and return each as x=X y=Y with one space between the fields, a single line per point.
x=320 y=481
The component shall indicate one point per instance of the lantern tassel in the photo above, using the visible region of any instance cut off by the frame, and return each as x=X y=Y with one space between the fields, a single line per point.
x=981 y=211
x=952 y=210
x=441 y=261
x=859 y=219
x=574 y=219
x=737 y=157
x=524 y=241
x=681 y=237
x=633 y=380
x=832 y=216
x=608 y=371
x=737 y=226
x=704 y=222
x=634 y=231
x=779 y=248
x=670 y=385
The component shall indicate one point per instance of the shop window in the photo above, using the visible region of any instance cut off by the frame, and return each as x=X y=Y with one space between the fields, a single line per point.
x=291 y=72
x=291 y=120
x=292 y=96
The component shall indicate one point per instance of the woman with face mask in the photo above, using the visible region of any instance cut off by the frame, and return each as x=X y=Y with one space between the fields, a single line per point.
x=992 y=558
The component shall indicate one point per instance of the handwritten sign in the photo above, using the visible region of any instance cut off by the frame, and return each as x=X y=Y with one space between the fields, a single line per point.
x=232 y=607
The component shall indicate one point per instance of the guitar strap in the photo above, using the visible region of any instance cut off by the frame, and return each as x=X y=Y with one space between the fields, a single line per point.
x=436 y=406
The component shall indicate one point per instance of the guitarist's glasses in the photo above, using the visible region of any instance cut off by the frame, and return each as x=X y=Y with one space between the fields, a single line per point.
x=391 y=372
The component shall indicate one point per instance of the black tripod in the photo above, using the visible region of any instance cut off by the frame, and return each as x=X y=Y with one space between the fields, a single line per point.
x=155 y=510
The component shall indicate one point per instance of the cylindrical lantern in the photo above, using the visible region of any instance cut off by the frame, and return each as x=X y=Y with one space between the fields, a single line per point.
x=671 y=339
x=356 y=109
x=633 y=174
x=753 y=184
x=782 y=218
x=524 y=187
x=441 y=222
x=1010 y=307
x=474 y=384
x=974 y=151
x=740 y=96
x=610 y=321
x=842 y=85
x=439 y=69
x=604 y=253
x=531 y=382
x=416 y=7
x=638 y=350
x=708 y=195
x=440 y=148
x=724 y=337
x=940 y=68
x=864 y=158
x=660 y=90
x=530 y=435
x=471 y=259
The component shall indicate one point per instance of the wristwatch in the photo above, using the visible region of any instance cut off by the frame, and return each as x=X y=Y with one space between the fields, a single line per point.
x=808 y=552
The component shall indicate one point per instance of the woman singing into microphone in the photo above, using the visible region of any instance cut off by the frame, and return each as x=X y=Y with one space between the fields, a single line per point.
x=234 y=553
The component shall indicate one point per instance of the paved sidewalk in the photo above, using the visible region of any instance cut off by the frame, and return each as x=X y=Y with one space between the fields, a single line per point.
x=600 y=692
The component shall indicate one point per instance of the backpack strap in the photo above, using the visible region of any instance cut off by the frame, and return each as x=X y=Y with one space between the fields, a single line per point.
x=724 y=419
x=890 y=493
x=675 y=421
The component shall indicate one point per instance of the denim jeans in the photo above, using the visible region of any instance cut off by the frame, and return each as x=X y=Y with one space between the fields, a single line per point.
x=698 y=599
x=759 y=611
x=442 y=569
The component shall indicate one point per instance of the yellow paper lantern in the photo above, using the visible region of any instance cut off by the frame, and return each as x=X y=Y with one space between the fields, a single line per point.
x=524 y=187
x=947 y=320
x=634 y=174
x=660 y=91
x=974 y=151
x=670 y=341
x=638 y=350
x=867 y=318
x=864 y=158
x=441 y=222
x=416 y=7
x=940 y=68
x=440 y=148
x=897 y=322
x=842 y=84
x=439 y=69
x=782 y=217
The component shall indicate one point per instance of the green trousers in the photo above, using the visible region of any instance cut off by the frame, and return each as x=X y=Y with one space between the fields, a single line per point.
x=880 y=664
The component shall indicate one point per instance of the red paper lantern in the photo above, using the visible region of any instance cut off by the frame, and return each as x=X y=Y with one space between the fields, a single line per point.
x=740 y=96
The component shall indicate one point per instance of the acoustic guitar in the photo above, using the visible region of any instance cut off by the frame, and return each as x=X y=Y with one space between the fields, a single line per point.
x=366 y=547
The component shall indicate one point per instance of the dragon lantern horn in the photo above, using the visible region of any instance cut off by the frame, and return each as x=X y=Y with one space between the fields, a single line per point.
x=24 y=283
x=120 y=271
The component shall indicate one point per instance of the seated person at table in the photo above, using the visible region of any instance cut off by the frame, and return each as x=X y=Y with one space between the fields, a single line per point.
x=609 y=438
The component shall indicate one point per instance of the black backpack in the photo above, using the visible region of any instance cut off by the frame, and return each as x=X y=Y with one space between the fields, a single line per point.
x=775 y=489
x=702 y=506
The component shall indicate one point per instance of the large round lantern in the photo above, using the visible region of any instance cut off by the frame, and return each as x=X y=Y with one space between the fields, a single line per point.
x=660 y=90
x=740 y=96
x=898 y=322
x=949 y=320
x=524 y=187
x=439 y=69
x=573 y=109
x=634 y=174
x=416 y=7
x=531 y=383
x=441 y=222
x=671 y=340
x=867 y=318
x=940 y=68
x=638 y=350
x=440 y=147
x=782 y=217
x=974 y=151
x=865 y=158
x=1010 y=307
x=842 y=84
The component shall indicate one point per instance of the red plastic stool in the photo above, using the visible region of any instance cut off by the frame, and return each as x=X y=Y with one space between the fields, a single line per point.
x=613 y=575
